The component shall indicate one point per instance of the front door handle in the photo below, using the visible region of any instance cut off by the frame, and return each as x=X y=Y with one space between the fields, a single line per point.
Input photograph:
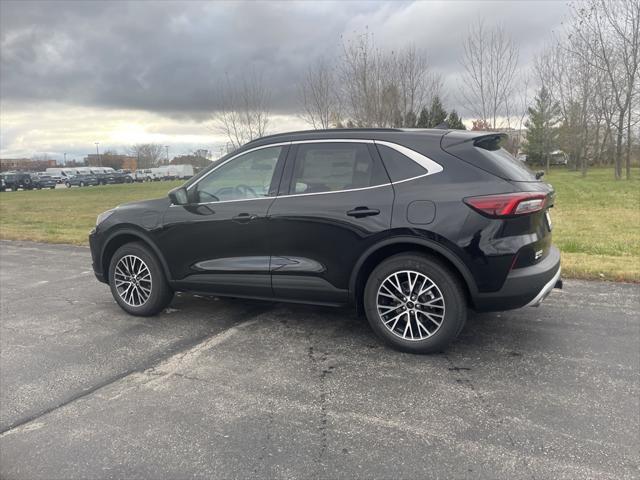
x=360 y=212
x=244 y=218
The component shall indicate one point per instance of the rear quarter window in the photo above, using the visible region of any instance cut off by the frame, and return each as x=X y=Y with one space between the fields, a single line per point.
x=512 y=168
x=399 y=166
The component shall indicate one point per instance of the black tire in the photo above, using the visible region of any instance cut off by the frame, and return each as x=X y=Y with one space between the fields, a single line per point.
x=52 y=188
x=82 y=184
x=455 y=313
x=68 y=185
x=161 y=294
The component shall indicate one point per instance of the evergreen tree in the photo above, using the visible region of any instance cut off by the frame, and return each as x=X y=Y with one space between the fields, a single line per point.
x=423 y=119
x=437 y=113
x=542 y=131
x=455 y=122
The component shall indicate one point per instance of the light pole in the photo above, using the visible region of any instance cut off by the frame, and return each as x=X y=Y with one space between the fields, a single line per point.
x=65 y=158
x=167 y=147
x=98 y=154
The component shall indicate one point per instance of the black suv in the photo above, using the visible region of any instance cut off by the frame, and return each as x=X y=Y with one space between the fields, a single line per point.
x=82 y=180
x=412 y=226
x=44 y=181
x=16 y=180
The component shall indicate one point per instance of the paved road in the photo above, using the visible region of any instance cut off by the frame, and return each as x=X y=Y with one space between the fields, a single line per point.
x=220 y=388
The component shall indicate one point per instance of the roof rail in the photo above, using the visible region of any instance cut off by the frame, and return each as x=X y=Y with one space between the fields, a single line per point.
x=332 y=130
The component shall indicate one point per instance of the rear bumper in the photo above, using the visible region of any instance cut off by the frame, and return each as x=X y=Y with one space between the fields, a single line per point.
x=527 y=286
x=546 y=290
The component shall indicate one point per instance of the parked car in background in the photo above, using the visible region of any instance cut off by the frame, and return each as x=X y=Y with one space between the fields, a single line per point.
x=412 y=227
x=18 y=180
x=104 y=178
x=82 y=180
x=61 y=174
x=143 y=175
x=42 y=180
x=558 y=157
x=122 y=177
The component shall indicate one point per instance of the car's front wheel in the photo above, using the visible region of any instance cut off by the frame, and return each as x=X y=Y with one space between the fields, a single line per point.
x=137 y=280
x=415 y=303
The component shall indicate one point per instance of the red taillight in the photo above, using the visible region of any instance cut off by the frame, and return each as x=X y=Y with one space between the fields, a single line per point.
x=508 y=204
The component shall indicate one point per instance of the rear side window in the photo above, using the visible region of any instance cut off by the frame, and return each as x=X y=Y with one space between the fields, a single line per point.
x=399 y=166
x=331 y=167
x=509 y=167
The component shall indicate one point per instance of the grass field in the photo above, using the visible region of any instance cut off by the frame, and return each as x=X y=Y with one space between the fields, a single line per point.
x=596 y=219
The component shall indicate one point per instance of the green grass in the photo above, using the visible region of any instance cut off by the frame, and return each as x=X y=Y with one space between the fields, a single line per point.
x=597 y=224
x=67 y=215
x=596 y=219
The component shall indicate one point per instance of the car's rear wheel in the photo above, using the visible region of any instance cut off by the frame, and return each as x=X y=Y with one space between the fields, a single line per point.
x=82 y=184
x=68 y=185
x=415 y=303
x=137 y=280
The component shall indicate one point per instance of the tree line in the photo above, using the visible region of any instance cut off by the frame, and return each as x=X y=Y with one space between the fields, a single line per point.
x=580 y=96
x=589 y=88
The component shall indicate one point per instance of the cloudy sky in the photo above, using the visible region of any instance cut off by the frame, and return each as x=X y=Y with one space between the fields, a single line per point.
x=120 y=73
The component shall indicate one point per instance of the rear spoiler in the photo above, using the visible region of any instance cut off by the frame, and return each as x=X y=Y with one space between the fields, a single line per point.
x=486 y=140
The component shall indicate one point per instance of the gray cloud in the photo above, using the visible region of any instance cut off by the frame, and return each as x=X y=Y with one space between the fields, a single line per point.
x=167 y=57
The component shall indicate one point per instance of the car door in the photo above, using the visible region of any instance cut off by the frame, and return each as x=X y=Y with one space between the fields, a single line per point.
x=217 y=243
x=335 y=201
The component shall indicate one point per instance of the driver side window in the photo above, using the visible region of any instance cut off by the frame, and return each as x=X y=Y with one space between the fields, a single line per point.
x=247 y=176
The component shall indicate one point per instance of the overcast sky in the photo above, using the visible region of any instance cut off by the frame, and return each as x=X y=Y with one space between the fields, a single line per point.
x=118 y=73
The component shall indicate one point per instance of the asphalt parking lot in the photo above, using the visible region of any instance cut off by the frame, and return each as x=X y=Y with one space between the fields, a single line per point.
x=237 y=389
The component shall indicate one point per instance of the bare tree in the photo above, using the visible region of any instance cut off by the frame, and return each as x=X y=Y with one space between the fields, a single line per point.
x=319 y=96
x=384 y=89
x=243 y=112
x=148 y=154
x=417 y=84
x=610 y=31
x=490 y=61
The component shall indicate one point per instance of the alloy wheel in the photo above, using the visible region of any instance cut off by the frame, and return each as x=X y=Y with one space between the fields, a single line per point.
x=132 y=279
x=410 y=305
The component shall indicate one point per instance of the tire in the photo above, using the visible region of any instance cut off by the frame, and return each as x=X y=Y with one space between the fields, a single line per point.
x=82 y=184
x=52 y=188
x=160 y=293
x=68 y=185
x=443 y=300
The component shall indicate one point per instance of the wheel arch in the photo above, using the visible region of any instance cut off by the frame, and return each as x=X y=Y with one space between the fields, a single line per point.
x=392 y=246
x=122 y=237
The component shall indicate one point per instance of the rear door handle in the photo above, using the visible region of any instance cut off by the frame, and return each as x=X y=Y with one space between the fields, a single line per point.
x=244 y=218
x=360 y=212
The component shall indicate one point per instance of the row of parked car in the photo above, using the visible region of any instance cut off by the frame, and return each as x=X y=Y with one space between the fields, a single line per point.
x=89 y=176
x=37 y=181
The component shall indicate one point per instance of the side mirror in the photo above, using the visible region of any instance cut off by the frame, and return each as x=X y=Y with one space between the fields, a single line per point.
x=179 y=196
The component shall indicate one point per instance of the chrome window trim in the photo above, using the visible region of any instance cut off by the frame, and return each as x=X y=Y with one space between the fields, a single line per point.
x=425 y=162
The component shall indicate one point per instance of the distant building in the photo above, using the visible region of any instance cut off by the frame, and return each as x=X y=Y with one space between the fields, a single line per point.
x=115 y=161
x=25 y=164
